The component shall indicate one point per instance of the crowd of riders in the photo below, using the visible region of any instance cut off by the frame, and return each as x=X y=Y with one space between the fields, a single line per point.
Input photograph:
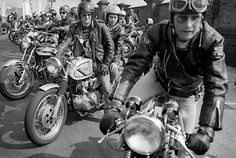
x=180 y=47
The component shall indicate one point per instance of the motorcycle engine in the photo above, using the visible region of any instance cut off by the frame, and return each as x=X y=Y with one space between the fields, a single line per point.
x=86 y=102
x=87 y=95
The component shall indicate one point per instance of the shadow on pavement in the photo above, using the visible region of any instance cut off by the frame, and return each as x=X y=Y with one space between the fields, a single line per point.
x=12 y=124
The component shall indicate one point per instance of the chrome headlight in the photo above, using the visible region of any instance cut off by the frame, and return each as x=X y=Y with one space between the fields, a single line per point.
x=144 y=134
x=25 y=42
x=53 y=65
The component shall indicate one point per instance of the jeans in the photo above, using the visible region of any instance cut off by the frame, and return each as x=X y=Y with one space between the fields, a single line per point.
x=147 y=87
x=106 y=86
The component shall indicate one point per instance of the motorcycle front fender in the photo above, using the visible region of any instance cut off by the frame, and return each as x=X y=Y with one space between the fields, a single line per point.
x=13 y=62
x=49 y=86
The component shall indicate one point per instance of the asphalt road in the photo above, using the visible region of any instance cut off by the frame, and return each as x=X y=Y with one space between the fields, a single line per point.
x=79 y=136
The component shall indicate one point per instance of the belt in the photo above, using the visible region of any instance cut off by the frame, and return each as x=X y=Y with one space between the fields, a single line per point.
x=179 y=93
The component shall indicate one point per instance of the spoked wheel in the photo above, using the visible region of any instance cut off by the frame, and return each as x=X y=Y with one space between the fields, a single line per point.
x=40 y=127
x=15 y=81
x=10 y=35
x=128 y=48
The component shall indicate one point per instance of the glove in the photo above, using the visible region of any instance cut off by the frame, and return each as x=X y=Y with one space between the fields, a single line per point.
x=199 y=142
x=114 y=66
x=104 y=70
x=111 y=115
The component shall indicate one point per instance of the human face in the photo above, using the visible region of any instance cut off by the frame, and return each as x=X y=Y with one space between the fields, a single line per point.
x=86 y=19
x=112 y=19
x=187 y=25
x=63 y=15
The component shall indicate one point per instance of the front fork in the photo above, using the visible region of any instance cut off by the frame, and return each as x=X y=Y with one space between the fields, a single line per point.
x=61 y=92
x=25 y=65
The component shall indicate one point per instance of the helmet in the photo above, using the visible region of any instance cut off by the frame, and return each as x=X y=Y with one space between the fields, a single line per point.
x=74 y=10
x=85 y=7
x=53 y=12
x=113 y=9
x=48 y=14
x=65 y=8
x=42 y=13
x=149 y=21
x=13 y=13
x=34 y=14
x=188 y=6
x=122 y=12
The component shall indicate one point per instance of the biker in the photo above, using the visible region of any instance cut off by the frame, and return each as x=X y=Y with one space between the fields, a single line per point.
x=54 y=15
x=132 y=18
x=12 y=20
x=74 y=14
x=63 y=25
x=190 y=55
x=112 y=14
x=91 y=39
x=35 y=19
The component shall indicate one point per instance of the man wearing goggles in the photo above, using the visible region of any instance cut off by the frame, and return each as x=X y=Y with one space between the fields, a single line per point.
x=190 y=56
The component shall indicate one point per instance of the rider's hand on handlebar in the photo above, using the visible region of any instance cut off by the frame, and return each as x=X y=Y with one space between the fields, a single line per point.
x=111 y=116
x=104 y=69
x=199 y=142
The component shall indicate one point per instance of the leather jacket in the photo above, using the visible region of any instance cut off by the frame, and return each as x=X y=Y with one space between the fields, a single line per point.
x=117 y=34
x=100 y=40
x=204 y=65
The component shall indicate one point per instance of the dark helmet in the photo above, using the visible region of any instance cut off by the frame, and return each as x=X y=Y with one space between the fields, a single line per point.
x=13 y=13
x=74 y=10
x=65 y=8
x=53 y=12
x=187 y=7
x=85 y=7
x=47 y=14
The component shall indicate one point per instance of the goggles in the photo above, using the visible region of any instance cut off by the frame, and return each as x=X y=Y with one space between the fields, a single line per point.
x=198 y=6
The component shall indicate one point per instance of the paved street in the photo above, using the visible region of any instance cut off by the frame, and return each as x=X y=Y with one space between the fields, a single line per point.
x=79 y=136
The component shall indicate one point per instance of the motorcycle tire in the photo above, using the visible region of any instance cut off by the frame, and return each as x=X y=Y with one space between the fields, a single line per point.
x=9 y=85
x=10 y=36
x=17 y=38
x=40 y=128
x=128 y=48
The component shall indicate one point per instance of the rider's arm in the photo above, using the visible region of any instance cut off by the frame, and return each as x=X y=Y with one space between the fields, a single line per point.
x=67 y=40
x=108 y=45
x=215 y=81
x=118 y=44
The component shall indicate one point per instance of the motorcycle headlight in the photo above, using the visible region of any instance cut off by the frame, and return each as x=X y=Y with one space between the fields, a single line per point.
x=53 y=65
x=25 y=42
x=144 y=134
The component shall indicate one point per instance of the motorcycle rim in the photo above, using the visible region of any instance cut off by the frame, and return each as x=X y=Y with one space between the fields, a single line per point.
x=10 y=87
x=40 y=127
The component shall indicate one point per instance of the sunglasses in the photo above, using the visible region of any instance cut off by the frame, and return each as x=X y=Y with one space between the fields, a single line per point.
x=194 y=5
x=62 y=12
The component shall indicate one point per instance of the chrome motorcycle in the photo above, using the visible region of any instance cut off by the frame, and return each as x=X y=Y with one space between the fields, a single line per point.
x=18 y=76
x=154 y=130
x=79 y=89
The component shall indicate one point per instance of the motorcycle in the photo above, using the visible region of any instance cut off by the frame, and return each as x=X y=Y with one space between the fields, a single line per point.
x=78 y=90
x=154 y=130
x=17 y=76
